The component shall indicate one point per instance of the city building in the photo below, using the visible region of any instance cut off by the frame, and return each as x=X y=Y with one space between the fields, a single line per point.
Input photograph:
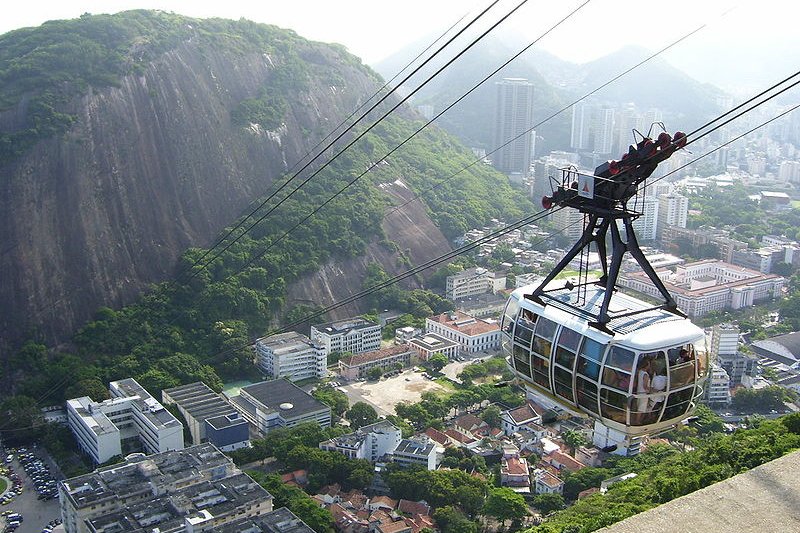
x=354 y=335
x=278 y=521
x=724 y=339
x=279 y=403
x=512 y=420
x=197 y=489
x=369 y=442
x=718 y=240
x=131 y=420
x=568 y=222
x=472 y=282
x=718 y=387
x=782 y=348
x=357 y=366
x=291 y=355
x=404 y=335
x=430 y=343
x=646 y=225
x=547 y=483
x=581 y=124
x=418 y=451
x=673 y=210
x=514 y=473
x=709 y=285
x=472 y=334
x=604 y=131
x=209 y=416
x=513 y=118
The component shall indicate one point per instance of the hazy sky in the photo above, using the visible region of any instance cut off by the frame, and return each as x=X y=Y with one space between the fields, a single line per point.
x=754 y=40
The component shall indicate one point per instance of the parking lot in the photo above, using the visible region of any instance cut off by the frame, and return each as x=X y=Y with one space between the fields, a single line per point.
x=384 y=394
x=36 y=513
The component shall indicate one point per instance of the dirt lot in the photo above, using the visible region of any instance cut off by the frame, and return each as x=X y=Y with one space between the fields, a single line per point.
x=384 y=394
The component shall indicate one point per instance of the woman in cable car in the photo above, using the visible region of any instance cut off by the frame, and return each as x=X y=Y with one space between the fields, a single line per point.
x=640 y=376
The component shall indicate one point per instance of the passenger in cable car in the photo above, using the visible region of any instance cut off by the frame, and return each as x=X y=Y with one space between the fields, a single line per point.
x=642 y=389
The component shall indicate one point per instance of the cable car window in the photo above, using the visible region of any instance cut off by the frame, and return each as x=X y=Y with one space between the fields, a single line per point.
x=569 y=339
x=621 y=358
x=589 y=361
x=546 y=328
x=617 y=379
x=525 y=326
x=678 y=403
x=541 y=371
x=541 y=346
x=563 y=383
x=682 y=366
x=510 y=314
x=522 y=360
x=564 y=357
x=586 y=393
x=613 y=405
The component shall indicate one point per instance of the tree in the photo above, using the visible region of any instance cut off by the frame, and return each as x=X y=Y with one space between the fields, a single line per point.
x=451 y=520
x=374 y=373
x=437 y=362
x=547 y=503
x=335 y=399
x=574 y=439
x=361 y=414
x=93 y=388
x=491 y=415
x=505 y=504
x=759 y=400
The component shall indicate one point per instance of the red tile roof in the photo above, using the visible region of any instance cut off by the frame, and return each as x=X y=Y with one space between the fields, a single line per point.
x=469 y=421
x=570 y=463
x=385 y=501
x=412 y=507
x=523 y=414
x=376 y=355
x=394 y=527
x=550 y=480
x=515 y=467
x=438 y=437
x=465 y=323
x=459 y=437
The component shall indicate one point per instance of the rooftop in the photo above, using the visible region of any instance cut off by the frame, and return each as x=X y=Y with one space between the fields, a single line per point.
x=280 y=395
x=416 y=447
x=356 y=439
x=375 y=355
x=465 y=323
x=147 y=405
x=340 y=327
x=287 y=342
x=433 y=342
x=198 y=400
x=278 y=521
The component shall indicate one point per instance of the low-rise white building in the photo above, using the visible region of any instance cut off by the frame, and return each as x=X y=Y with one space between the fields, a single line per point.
x=291 y=355
x=354 y=335
x=718 y=386
x=431 y=343
x=369 y=442
x=418 y=451
x=472 y=334
x=130 y=420
x=279 y=403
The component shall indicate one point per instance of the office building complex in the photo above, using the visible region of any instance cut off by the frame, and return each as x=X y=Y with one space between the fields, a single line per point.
x=513 y=117
x=672 y=210
x=279 y=403
x=291 y=355
x=357 y=366
x=472 y=334
x=210 y=417
x=418 y=451
x=193 y=490
x=354 y=335
x=131 y=420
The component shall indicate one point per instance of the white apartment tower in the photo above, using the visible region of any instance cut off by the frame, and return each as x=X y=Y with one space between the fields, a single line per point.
x=604 y=131
x=725 y=339
x=673 y=209
x=646 y=226
x=513 y=117
x=581 y=122
x=291 y=355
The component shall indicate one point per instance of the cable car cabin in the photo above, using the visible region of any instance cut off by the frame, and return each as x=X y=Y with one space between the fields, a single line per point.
x=642 y=377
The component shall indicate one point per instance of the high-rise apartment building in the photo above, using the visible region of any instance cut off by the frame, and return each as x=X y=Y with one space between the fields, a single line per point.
x=513 y=116
x=673 y=210
x=604 y=131
x=581 y=123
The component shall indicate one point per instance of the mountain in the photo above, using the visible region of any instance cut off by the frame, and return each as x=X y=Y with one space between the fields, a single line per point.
x=683 y=101
x=127 y=139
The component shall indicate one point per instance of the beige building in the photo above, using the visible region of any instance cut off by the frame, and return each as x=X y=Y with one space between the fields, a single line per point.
x=356 y=366
x=472 y=334
x=472 y=282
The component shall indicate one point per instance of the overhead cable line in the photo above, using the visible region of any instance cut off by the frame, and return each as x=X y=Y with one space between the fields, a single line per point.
x=552 y=116
x=400 y=145
x=332 y=132
x=367 y=130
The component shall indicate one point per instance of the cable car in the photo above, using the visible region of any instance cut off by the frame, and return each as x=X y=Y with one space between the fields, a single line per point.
x=635 y=367
x=642 y=375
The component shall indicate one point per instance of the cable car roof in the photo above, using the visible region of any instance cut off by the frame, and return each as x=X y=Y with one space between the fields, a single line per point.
x=647 y=329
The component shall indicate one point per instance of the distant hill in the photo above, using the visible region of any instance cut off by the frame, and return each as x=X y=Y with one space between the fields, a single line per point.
x=683 y=101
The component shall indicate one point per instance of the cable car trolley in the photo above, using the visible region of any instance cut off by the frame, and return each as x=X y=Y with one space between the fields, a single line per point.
x=635 y=367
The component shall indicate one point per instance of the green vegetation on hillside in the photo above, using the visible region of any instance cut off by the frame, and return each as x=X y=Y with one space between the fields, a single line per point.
x=43 y=68
x=665 y=474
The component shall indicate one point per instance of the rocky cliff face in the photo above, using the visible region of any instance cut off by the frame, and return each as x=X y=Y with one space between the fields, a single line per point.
x=151 y=167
